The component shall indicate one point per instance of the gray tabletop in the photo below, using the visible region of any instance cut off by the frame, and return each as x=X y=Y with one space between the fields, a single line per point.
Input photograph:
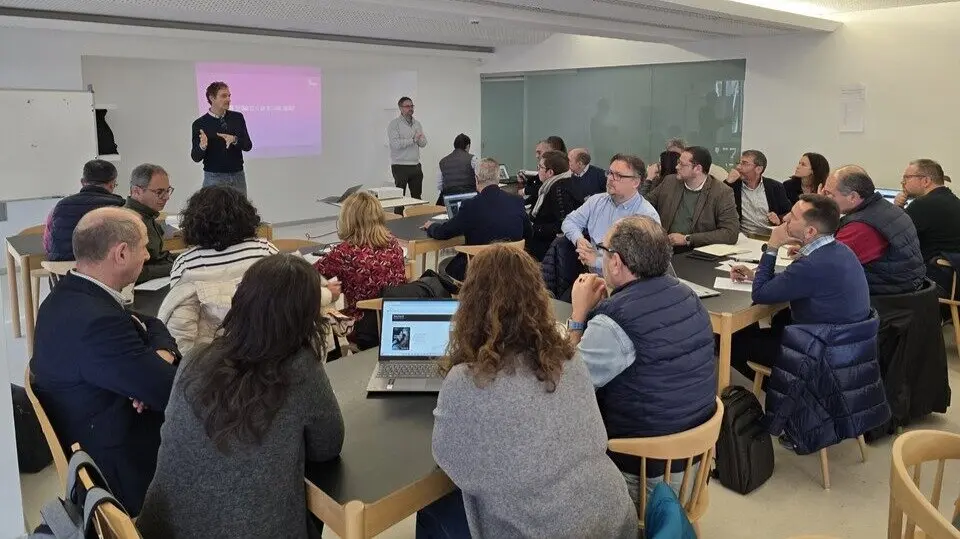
x=408 y=228
x=703 y=273
x=32 y=244
x=388 y=437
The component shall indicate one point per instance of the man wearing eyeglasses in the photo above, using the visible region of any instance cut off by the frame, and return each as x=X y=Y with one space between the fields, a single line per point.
x=406 y=138
x=149 y=192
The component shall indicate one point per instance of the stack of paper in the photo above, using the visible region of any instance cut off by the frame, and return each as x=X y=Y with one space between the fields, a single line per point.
x=729 y=264
x=720 y=249
x=725 y=283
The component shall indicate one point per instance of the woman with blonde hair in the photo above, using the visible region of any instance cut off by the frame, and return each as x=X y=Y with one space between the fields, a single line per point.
x=517 y=427
x=368 y=257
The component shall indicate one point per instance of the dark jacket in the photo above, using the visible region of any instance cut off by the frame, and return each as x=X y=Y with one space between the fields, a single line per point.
x=593 y=181
x=489 y=217
x=560 y=267
x=901 y=269
x=91 y=357
x=457 y=175
x=913 y=358
x=161 y=260
x=777 y=200
x=558 y=202
x=826 y=387
x=671 y=385
x=793 y=188
x=715 y=218
x=58 y=235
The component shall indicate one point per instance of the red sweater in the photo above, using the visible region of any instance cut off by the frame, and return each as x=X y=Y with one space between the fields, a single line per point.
x=864 y=240
x=363 y=271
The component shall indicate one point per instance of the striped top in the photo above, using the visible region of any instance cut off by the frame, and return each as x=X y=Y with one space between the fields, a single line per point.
x=198 y=257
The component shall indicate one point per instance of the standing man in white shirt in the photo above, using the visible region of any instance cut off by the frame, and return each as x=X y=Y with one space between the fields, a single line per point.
x=406 y=138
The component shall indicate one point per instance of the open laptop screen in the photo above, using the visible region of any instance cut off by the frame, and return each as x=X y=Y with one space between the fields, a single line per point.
x=452 y=202
x=416 y=329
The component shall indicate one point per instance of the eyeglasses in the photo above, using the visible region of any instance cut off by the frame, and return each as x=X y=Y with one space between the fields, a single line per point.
x=906 y=177
x=601 y=247
x=160 y=192
x=406 y=106
x=618 y=177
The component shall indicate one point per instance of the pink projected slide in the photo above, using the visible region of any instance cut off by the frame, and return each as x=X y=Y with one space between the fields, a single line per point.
x=281 y=105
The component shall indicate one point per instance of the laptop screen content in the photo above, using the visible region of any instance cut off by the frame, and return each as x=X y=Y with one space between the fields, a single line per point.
x=416 y=329
x=453 y=202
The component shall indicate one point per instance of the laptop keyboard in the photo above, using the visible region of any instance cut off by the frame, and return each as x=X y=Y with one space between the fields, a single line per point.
x=407 y=369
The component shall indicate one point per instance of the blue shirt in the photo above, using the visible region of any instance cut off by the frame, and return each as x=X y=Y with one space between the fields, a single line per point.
x=606 y=349
x=599 y=212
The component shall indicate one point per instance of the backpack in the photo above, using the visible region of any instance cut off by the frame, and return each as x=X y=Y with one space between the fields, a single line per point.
x=33 y=454
x=71 y=517
x=744 y=449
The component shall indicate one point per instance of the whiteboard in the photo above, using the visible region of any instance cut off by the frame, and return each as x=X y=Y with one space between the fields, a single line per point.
x=47 y=137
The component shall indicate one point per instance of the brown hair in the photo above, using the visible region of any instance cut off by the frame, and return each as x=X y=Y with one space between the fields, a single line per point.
x=501 y=322
x=634 y=162
x=214 y=89
x=931 y=169
x=362 y=221
x=556 y=161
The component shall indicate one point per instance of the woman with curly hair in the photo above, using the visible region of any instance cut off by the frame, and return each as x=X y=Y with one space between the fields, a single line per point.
x=517 y=427
x=245 y=414
x=221 y=224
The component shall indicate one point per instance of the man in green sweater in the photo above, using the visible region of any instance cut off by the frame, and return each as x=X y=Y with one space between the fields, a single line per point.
x=149 y=192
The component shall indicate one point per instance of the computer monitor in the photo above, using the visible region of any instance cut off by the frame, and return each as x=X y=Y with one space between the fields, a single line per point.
x=453 y=202
x=503 y=174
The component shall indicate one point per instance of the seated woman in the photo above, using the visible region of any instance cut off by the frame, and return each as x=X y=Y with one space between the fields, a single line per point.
x=244 y=415
x=811 y=173
x=221 y=224
x=517 y=427
x=368 y=257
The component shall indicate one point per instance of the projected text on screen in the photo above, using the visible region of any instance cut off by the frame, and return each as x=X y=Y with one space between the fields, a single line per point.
x=281 y=105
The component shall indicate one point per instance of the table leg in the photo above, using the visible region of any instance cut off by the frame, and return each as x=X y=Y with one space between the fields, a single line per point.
x=353 y=520
x=14 y=294
x=726 y=343
x=27 y=303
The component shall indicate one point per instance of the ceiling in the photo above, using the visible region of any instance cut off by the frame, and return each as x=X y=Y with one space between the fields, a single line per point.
x=472 y=25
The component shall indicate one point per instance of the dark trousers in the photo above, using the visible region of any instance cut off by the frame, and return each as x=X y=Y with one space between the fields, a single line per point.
x=443 y=519
x=759 y=345
x=408 y=175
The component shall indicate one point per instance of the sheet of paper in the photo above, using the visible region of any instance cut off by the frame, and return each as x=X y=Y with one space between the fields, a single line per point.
x=441 y=217
x=728 y=265
x=720 y=249
x=153 y=284
x=724 y=283
x=853 y=106
x=174 y=220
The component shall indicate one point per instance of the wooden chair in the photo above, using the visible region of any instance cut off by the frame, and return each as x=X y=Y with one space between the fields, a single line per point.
x=473 y=250
x=56 y=270
x=109 y=520
x=952 y=302
x=423 y=209
x=390 y=216
x=924 y=519
x=285 y=245
x=36 y=274
x=687 y=445
x=59 y=458
x=760 y=372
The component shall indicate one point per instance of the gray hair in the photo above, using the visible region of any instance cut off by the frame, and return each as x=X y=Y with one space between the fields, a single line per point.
x=676 y=143
x=487 y=172
x=103 y=228
x=930 y=169
x=141 y=176
x=643 y=246
x=854 y=179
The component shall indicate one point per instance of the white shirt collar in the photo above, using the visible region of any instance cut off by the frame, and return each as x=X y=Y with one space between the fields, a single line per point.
x=113 y=293
x=697 y=188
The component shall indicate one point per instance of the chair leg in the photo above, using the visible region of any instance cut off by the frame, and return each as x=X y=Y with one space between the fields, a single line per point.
x=757 y=384
x=36 y=295
x=825 y=469
x=955 y=315
x=863 y=448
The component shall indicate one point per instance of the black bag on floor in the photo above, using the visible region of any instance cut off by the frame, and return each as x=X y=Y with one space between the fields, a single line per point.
x=745 y=449
x=33 y=454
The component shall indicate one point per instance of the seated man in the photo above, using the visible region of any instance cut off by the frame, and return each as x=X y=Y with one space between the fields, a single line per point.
x=99 y=180
x=879 y=233
x=590 y=179
x=696 y=209
x=648 y=347
x=491 y=216
x=824 y=285
x=761 y=201
x=102 y=373
x=935 y=210
x=531 y=184
x=457 y=172
x=149 y=192
x=555 y=201
x=599 y=212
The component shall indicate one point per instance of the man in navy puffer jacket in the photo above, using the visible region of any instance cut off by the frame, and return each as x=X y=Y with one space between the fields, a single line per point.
x=648 y=347
x=99 y=180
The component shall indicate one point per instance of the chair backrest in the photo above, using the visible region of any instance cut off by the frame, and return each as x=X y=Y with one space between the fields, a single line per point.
x=58 y=268
x=473 y=250
x=59 y=457
x=390 y=216
x=687 y=445
x=36 y=229
x=910 y=451
x=286 y=245
x=110 y=521
x=953 y=282
x=423 y=209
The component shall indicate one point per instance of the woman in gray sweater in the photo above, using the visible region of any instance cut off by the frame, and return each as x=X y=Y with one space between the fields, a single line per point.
x=517 y=427
x=245 y=413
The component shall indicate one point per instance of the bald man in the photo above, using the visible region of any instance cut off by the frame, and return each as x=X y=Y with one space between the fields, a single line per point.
x=103 y=374
x=590 y=179
x=881 y=235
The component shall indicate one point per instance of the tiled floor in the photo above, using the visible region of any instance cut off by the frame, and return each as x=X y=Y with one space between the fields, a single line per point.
x=791 y=503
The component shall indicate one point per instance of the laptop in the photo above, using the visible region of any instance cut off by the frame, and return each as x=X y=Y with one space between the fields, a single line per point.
x=890 y=194
x=413 y=336
x=453 y=202
x=700 y=291
x=339 y=199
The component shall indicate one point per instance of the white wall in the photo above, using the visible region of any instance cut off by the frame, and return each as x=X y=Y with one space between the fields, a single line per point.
x=447 y=95
x=791 y=91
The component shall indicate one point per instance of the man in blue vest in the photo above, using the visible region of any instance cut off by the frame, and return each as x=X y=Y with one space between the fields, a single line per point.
x=99 y=180
x=648 y=347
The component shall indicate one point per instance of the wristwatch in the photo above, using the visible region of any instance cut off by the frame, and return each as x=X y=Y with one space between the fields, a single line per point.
x=687 y=239
x=573 y=325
